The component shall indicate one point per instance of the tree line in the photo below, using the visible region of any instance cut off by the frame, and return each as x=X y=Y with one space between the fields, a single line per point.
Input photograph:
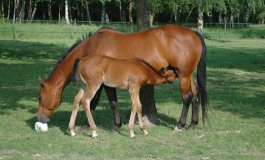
x=180 y=11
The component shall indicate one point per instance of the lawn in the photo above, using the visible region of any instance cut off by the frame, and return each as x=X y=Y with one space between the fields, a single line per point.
x=236 y=88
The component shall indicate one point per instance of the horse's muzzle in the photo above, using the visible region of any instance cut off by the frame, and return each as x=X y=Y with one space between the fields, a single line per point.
x=43 y=118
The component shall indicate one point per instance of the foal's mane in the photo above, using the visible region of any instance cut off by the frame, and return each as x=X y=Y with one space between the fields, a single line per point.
x=77 y=43
x=151 y=67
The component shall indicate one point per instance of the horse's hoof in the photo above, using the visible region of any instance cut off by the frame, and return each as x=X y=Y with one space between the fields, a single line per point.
x=176 y=130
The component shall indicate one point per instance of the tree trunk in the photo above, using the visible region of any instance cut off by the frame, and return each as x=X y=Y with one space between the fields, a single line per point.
x=34 y=11
x=29 y=10
x=66 y=13
x=22 y=12
x=188 y=16
x=232 y=22
x=15 y=8
x=103 y=12
x=142 y=15
x=87 y=12
x=147 y=92
x=8 y=12
x=50 y=9
x=200 y=18
x=130 y=4
x=176 y=15
x=59 y=13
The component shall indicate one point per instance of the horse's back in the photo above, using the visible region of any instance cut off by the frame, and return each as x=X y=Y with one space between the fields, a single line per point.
x=172 y=45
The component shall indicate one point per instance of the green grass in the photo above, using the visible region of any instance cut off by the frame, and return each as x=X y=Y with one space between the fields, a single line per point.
x=251 y=31
x=236 y=87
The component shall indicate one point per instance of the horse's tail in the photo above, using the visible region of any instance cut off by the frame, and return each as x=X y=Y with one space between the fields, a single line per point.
x=201 y=81
x=75 y=72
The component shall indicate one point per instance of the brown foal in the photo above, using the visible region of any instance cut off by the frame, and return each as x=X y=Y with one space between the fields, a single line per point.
x=128 y=74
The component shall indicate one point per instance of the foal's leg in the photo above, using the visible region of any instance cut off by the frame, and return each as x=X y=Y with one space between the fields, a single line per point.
x=90 y=92
x=185 y=85
x=134 y=102
x=77 y=101
x=140 y=117
x=195 y=104
x=93 y=105
x=112 y=96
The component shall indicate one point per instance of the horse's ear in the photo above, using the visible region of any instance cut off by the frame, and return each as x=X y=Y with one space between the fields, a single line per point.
x=41 y=80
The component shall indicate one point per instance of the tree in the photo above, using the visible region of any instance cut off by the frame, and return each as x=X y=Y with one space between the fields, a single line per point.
x=66 y=13
x=200 y=17
x=146 y=92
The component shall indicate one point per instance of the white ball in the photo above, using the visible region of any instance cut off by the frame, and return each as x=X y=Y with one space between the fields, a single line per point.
x=41 y=127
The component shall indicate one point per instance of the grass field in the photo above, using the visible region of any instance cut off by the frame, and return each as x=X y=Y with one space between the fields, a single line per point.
x=236 y=88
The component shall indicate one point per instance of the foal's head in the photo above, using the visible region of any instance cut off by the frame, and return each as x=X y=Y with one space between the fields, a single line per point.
x=169 y=74
x=49 y=100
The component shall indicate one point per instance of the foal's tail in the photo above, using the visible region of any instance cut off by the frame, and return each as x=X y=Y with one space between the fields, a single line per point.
x=201 y=81
x=75 y=72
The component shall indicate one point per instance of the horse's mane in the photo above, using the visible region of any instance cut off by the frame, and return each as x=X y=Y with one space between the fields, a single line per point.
x=106 y=28
x=77 y=43
x=151 y=67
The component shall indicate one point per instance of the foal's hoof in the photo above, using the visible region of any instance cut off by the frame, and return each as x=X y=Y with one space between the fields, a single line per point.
x=72 y=134
x=145 y=132
x=132 y=135
x=94 y=135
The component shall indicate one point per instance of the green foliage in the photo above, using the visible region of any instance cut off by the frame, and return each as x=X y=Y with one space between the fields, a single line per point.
x=261 y=16
x=2 y=19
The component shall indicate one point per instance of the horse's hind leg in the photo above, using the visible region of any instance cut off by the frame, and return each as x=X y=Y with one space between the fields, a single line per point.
x=77 y=101
x=112 y=96
x=185 y=85
x=195 y=104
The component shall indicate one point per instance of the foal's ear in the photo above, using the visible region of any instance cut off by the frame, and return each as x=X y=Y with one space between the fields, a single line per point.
x=163 y=70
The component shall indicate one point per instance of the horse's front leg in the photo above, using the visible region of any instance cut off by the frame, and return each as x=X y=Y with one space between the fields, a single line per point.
x=77 y=101
x=112 y=96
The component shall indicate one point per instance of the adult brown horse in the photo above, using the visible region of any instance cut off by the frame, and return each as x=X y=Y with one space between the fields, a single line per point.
x=128 y=74
x=181 y=48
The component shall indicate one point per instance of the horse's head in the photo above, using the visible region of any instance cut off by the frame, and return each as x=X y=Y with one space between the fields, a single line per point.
x=49 y=100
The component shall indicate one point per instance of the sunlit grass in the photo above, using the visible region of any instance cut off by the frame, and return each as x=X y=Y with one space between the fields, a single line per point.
x=236 y=88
